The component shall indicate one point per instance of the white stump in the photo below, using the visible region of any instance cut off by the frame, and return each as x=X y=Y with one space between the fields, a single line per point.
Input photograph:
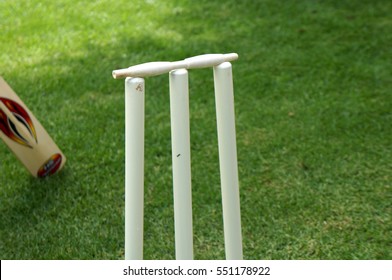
x=134 y=168
x=224 y=99
x=181 y=160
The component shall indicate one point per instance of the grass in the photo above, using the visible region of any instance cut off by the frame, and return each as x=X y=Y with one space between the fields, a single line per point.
x=313 y=107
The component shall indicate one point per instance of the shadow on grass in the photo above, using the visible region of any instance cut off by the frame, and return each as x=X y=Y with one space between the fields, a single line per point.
x=81 y=106
x=79 y=214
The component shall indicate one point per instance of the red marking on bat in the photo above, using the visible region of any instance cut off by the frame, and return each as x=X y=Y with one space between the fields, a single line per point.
x=20 y=114
x=50 y=166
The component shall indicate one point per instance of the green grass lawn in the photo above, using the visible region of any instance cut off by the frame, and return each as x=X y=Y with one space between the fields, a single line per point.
x=313 y=93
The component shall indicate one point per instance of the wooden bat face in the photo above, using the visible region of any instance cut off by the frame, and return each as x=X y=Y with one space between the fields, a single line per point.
x=26 y=137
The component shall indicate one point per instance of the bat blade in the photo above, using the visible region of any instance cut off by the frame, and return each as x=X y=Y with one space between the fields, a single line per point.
x=26 y=137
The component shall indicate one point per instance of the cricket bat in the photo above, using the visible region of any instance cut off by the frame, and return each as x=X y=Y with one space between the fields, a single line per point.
x=26 y=137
